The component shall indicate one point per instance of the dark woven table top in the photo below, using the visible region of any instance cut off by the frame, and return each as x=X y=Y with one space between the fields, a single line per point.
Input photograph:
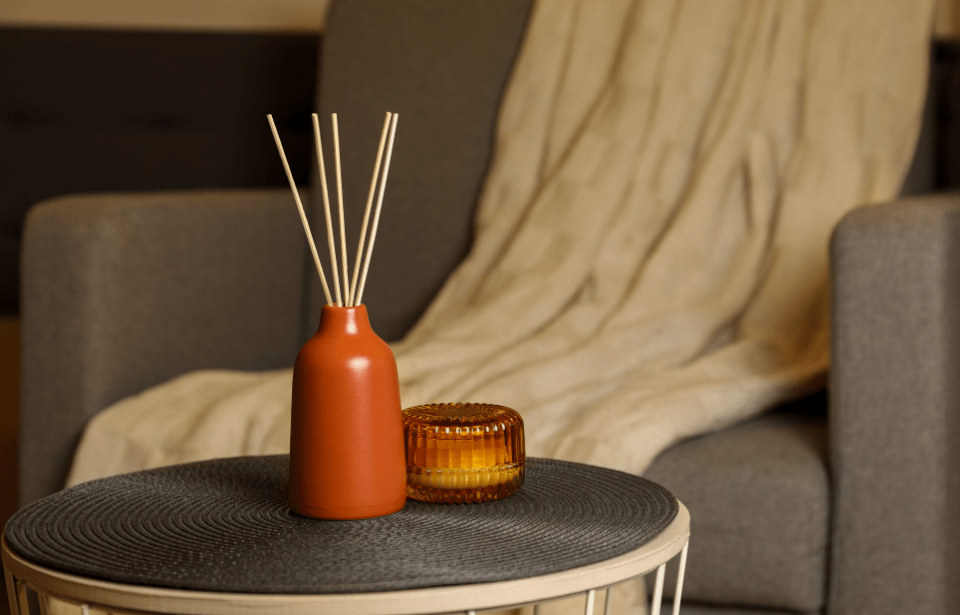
x=224 y=525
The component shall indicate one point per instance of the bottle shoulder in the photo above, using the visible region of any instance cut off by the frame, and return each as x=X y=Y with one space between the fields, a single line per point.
x=324 y=347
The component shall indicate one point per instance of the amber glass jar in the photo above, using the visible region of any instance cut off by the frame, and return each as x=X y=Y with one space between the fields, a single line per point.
x=461 y=453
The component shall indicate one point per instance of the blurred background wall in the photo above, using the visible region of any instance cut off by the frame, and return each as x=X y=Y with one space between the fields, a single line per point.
x=235 y=15
x=948 y=19
x=285 y=15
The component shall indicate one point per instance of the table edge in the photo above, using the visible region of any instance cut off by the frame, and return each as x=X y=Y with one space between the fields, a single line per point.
x=116 y=597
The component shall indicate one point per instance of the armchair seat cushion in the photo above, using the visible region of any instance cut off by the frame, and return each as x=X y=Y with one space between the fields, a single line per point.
x=759 y=500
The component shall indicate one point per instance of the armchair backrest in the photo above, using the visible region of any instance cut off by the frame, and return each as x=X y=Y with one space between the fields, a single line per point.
x=442 y=66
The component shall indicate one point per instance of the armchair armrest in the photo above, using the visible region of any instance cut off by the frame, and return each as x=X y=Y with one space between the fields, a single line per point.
x=123 y=291
x=895 y=409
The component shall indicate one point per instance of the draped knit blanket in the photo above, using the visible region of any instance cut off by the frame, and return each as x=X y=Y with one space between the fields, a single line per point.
x=650 y=259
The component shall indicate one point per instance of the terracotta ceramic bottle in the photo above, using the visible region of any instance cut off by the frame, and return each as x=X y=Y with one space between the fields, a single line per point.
x=346 y=438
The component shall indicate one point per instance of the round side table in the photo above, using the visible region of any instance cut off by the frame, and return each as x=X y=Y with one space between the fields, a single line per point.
x=216 y=537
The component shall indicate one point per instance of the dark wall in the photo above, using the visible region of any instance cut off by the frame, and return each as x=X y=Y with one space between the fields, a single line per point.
x=90 y=111
x=946 y=80
x=936 y=162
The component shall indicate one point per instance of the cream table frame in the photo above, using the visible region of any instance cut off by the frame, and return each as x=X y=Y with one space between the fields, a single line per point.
x=123 y=599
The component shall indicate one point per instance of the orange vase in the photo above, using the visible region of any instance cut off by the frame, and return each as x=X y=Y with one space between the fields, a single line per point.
x=346 y=437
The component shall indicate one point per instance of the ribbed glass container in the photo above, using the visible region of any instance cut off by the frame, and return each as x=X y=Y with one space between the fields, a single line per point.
x=462 y=453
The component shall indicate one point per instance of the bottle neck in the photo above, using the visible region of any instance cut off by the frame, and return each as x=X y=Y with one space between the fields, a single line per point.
x=349 y=320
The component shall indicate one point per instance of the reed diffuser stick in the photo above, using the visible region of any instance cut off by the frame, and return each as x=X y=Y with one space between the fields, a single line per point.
x=326 y=210
x=366 y=213
x=303 y=215
x=343 y=231
x=376 y=215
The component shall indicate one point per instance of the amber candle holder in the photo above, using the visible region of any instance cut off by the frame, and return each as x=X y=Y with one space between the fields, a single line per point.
x=463 y=453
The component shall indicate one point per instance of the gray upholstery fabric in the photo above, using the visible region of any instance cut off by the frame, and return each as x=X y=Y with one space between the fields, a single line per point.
x=122 y=292
x=442 y=66
x=759 y=501
x=895 y=414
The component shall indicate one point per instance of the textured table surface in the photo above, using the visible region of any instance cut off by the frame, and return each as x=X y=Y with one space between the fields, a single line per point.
x=224 y=525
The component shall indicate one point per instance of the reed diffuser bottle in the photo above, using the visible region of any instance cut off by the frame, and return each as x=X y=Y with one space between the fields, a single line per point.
x=346 y=441
x=346 y=435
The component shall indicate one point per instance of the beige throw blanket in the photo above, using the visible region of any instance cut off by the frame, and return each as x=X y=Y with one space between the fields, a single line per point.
x=651 y=254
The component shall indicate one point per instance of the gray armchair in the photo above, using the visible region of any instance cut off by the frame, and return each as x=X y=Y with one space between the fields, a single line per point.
x=842 y=506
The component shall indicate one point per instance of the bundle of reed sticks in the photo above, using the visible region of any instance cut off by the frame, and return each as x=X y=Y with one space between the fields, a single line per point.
x=352 y=290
